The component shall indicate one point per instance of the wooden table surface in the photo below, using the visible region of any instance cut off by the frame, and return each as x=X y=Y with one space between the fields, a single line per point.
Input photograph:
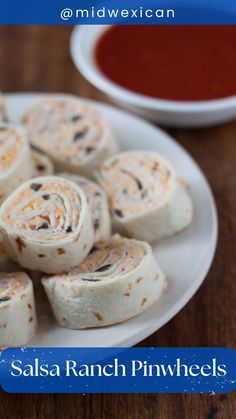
x=37 y=59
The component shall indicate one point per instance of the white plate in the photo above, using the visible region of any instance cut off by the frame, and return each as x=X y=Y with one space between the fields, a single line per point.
x=185 y=258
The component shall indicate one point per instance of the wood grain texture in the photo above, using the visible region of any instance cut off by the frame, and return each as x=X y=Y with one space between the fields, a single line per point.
x=37 y=59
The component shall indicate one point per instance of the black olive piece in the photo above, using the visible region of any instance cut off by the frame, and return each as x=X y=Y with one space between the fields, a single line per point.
x=75 y=118
x=103 y=268
x=79 y=135
x=40 y=167
x=118 y=212
x=139 y=184
x=46 y=197
x=69 y=229
x=89 y=150
x=94 y=249
x=36 y=186
x=96 y=224
x=97 y=194
x=90 y=280
x=44 y=226
x=3 y=299
x=144 y=194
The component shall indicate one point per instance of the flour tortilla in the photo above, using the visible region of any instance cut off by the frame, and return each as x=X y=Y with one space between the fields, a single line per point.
x=118 y=280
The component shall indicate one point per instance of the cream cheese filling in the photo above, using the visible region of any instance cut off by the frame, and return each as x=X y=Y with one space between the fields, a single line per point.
x=10 y=285
x=10 y=146
x=94 y=196
x=66 y=128
x=108 y=259
x=136 y=182
x=45 y=211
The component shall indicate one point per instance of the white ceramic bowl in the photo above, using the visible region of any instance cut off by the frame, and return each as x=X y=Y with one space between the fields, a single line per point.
x=167 y=112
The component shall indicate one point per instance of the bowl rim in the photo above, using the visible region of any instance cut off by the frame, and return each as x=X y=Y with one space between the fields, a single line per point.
x=78 y=45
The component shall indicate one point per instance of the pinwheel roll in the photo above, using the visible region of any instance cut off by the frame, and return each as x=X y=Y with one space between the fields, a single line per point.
x=119 y=279
x=98 y=205
x=147 y=200
x=42 y=164
x=18 y=322
x=46 y=224
x=71 y=132
x=3 y=109
x=15 y=159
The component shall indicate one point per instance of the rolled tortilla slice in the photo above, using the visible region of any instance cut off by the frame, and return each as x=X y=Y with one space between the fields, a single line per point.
x=42 y=164
x=46 y=225
x=71 y=132
x=3 y=109
x=15 y=159
x=147 y=200
x=18 y=321
x=119 y=279
x=98 y=205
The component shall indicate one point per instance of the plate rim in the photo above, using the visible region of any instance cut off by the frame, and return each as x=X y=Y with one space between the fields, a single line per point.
x=192 y=289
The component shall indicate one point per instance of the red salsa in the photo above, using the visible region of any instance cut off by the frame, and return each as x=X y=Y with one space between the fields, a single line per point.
x=170 y=62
